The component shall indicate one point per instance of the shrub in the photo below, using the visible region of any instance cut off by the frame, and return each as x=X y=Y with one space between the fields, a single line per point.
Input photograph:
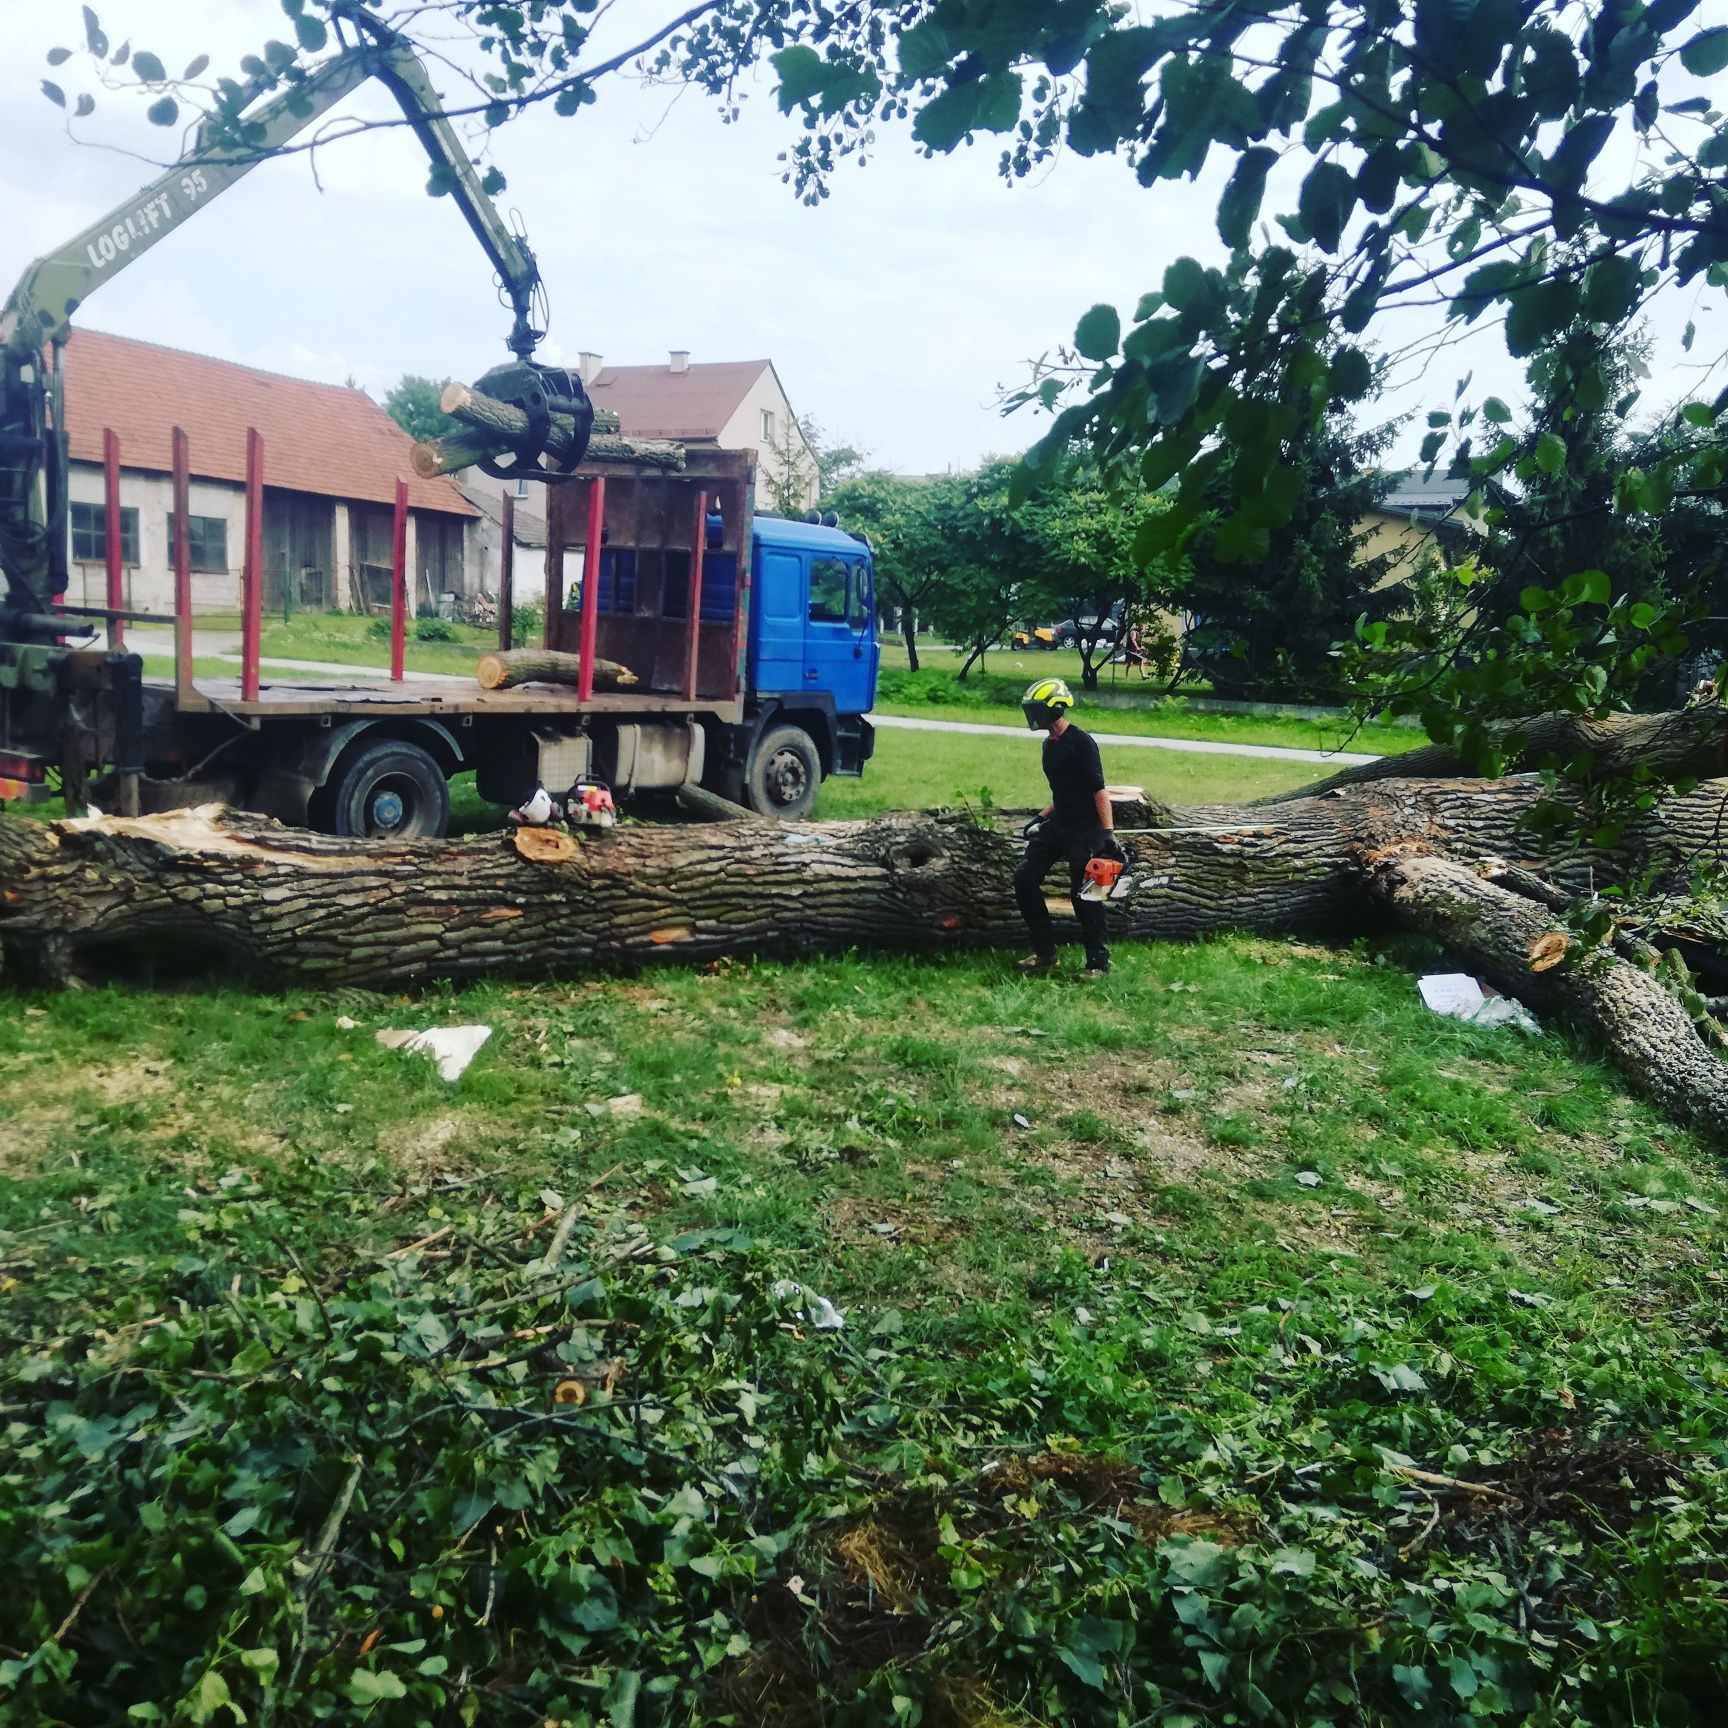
x=435 y=630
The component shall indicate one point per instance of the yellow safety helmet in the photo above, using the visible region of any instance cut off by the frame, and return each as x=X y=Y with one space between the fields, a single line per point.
x=1044 y=701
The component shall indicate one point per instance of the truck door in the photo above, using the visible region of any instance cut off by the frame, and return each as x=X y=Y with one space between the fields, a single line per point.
x=839 y=643
x=779 y=633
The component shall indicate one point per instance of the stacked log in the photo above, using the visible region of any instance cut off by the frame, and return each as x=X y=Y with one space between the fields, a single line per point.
x=491 y=428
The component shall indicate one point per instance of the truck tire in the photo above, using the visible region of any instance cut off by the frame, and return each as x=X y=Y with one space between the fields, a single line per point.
x=784 y=775
x=388 y=790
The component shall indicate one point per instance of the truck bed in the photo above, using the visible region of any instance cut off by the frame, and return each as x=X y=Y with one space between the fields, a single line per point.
x=281 y=698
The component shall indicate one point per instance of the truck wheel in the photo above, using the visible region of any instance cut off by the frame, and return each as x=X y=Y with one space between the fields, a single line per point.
x=389 y=790
x=784 y=775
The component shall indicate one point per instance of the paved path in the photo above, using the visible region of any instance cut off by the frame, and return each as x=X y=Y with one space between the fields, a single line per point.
x=1198 y=746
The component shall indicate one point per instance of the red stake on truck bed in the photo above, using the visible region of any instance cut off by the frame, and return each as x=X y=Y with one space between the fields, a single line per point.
x=111 y=520
x=591 y=555
x=399 y=585
x=252 y=572
x=182 y=550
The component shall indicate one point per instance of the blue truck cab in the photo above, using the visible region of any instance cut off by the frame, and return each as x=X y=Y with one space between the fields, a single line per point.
x=813 y=656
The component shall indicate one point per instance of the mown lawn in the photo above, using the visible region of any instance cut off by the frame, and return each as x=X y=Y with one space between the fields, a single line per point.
x=918 y=770
x=1231 y=1342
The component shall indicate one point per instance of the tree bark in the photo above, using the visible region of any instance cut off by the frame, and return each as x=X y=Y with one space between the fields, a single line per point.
x=458 y=450
x=1686 y=743
x=504 y=669
x=293 y=906
x=487 y=414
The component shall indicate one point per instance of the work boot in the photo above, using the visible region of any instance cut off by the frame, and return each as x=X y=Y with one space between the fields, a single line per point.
x=1034 y=963
x=1096 y=967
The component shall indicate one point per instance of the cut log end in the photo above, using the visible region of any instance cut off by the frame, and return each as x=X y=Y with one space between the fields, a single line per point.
x=545 y=845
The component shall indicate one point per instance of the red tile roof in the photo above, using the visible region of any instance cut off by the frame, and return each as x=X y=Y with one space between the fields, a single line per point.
x=320 y=438
x=656 y=402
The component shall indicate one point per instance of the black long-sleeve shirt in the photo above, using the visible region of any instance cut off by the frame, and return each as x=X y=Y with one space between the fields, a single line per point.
x=1075 y=771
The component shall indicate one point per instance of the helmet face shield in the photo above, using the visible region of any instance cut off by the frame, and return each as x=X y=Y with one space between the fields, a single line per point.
x=1045 y=702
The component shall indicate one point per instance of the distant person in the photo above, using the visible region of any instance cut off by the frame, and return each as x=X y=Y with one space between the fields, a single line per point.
x=1134 y=651
x=1077 y=824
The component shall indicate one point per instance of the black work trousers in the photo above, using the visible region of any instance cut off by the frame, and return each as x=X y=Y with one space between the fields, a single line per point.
x=1042 y=851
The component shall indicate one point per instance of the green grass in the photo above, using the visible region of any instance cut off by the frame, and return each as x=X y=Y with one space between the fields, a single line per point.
x=919 y=770
x=1151 y=1290
x=994 y=698
x=350 y=641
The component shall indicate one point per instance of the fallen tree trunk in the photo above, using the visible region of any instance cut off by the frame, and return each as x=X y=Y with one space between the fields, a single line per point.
x=305 y=908
x=1686 y=743
x=1514 y=942
x=505 y=668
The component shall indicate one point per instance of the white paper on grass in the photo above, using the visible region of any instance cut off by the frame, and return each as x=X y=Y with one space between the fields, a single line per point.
x=1459 y=997
x=818 y=1310
x=1455 y=994
x=451 y=1047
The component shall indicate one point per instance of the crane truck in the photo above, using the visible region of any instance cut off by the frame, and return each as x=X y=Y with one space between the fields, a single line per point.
x=752 y=638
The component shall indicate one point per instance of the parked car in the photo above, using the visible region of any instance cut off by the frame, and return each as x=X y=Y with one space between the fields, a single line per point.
x=1089 y=627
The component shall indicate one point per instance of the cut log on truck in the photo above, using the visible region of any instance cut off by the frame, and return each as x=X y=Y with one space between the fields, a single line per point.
x=456 y=450
x=493 y=428
x=486 y=413
x=504 y=669
x=303 y=908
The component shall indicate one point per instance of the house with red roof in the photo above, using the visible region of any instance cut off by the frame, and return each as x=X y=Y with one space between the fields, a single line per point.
x=331 y=460
x=731 y=404
x=719 y=404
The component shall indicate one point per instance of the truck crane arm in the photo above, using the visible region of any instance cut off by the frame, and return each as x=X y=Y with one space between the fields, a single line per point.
x=36 y=318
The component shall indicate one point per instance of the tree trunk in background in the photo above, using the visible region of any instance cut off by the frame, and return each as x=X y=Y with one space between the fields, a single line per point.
x=1689 y=742
x=909 y=631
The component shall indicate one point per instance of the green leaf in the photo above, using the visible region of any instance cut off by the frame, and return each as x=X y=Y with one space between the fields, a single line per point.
x=149 y=68
x=208 y=1696
x=1328 y=195
x=311 y=33
x=1432 y=445
x=373 y=1686
x=196 y=68
x=802 y=73
x=262 y=1661
x=1099 y=333
x=1550 y=453
x=1496 y=411
x=1707 y=53
x=1352 y=375
x=54 y=93
x=59 y=56
x=163 y=112
x=1087 y=1669
x=1240 y=203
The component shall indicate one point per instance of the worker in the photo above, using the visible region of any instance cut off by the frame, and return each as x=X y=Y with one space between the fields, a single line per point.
x=1077 y=825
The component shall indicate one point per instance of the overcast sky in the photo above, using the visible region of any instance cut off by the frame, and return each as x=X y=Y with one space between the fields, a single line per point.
x=895 y=311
